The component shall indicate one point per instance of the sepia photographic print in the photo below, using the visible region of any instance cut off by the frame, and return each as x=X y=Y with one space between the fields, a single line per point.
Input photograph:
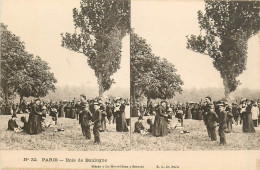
x=65 y=79
x=194 y=75
x=129 y=84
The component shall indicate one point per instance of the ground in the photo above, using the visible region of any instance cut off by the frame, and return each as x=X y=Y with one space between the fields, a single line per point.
x=71 y=139
x=196 y=140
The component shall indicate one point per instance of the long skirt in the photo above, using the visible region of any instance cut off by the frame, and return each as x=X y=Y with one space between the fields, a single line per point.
x=67 y=113
x=248 y=126
x=121 y=125
x=103 y=124
x=61 y=113
x=35 y=126
x=73 y=114
x=229 y=124
x=160 y=126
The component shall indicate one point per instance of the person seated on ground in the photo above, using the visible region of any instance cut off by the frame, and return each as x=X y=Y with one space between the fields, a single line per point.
x=44 y=124
x=25 y=124
x=12 y=125
x=44 y=111
x=139 y=125
x=150 y=122
x=180 y=116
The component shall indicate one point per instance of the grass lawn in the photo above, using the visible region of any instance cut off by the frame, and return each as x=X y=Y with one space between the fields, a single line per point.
x=71 y=139
x=196 y=140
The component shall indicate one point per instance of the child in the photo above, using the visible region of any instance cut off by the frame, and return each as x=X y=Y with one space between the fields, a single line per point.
x=139 y=125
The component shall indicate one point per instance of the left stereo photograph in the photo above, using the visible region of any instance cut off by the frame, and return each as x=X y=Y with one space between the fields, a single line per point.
x=65 y=75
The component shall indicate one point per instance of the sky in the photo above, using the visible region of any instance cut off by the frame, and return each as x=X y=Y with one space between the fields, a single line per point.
x=165 y=24
x=40 y=23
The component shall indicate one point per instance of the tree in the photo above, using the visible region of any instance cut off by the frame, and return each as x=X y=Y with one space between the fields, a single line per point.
x=36 y=80
x=150 y=76
x=21 y=72
x=13 y=60
x=225 y=28
x=100 y=26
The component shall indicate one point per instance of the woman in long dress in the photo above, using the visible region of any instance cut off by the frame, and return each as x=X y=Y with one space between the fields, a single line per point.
x=121 y=125
x=160 y=122
x=246 y=115
x=35 y=118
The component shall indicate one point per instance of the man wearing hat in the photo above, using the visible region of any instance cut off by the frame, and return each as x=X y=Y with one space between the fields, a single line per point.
x=86 y=117
x=212 y=118
x=97 y=115
x=205 y=108
x=109 y=111
x=12 y=123
x=222 y=120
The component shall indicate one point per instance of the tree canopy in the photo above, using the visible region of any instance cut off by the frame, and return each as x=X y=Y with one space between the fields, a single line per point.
x=225 y=28
x=151 y=76
x=99 y=29
x=21 y=72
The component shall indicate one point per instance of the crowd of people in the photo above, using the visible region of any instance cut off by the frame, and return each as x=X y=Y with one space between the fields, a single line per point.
x=94 y=112
x=215 y=114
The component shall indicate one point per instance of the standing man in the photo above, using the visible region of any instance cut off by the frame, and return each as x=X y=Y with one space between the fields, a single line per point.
x=86 y=117
x=205 y=108
x=222 y=120
x=212 y=118
x=97 y=123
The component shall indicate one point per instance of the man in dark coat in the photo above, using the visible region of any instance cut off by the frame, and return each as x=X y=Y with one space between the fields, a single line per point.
x=205 y=108
x=97 y=123
x=235 y=112
x=212 y=118
x=86 y=117
x=109 y=111
x=12 y=123
x=222 y=120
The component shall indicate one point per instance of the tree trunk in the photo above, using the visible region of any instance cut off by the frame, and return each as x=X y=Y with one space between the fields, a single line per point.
x=101 y=90
x=227 y=91
x=132 y=94
x=6 y=95
x=148 y=101
x=21 y=99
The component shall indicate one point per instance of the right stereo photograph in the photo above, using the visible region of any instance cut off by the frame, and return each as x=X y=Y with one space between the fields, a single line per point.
x=195 y=81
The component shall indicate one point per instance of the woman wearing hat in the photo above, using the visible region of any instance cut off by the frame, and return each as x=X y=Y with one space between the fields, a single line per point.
x=246 y=115
x=160 y=122
x=121 y=125
x=35 y=118
x=255 y=114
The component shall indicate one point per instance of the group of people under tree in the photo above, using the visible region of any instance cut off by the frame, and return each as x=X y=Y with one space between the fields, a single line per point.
x=87 y=112
x=217 y=113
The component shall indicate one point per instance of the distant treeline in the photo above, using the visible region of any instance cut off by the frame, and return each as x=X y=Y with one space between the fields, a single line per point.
x=69 y=92
x=195 y=94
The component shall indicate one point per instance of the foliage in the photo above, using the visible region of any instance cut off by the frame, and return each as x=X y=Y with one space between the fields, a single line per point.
x=21 y=72
x=226 y=27
x=100 y=26
x=150 y=76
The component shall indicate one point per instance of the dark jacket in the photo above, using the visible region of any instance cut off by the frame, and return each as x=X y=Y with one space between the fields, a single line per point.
x=12 y=124
x=212 y=118
x=138 y=127
x=222 y=120
x=86 y=117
